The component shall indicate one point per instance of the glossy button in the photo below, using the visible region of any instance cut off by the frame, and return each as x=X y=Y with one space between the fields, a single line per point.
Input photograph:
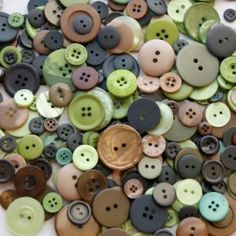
x=133 y=188
x=7 y=197
x=23 y=98
x=52 y=202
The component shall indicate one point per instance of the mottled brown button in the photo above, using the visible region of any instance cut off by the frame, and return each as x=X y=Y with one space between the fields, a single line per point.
x=153 y=145
x=64 y=227
x=114 y=232
x=67 y=21
x=133 y=188
x=30 y=181
x=50 y=124
x=12 y=117
x=170 y=82
x=119 y=147
x=60 y=94
x=192 y=226
x=232 y=183
x=190 y=114
x=91 y=183
x=204 y=128
x=109 y=203
x=136 y=9
x=7 y=197
x=148 y=84
x=38 y=42
x=17 y=160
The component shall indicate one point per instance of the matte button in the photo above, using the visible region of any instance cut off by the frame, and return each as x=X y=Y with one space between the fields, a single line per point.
x=64 y=156
x=231 y=183
x=219 y=187
x=179 y=44
x=167 y=175
x=101 y=8
x=230 y=15
x=170 y=82
x=133 y=188
x=188 y=211
x=36 y=125
x=83 y=24
x=7 y=197
x=148 y=84
x=8 y=144
x=171 y=150
x=228 y=157
x=157 y=6
x=36 y=17
x=53 y=40
x=74 y=141
x=164 y=232
x=204 y=128
x=7 y=171
x=35 y=3
x=64 y=131
x=38 y=42
x=49 y=151
x=52 y=202
x=114 y=231
x=137 y=9
x=229 y=136
x=50 y=124
x=16 y=160
x=209 y=145
x=27 y=56
x=44 y=165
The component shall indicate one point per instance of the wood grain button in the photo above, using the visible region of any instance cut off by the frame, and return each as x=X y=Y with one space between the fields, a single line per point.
x=137 y=9
x=170 y=82
x=119 y=147
x=7 y=197
x=109 y=203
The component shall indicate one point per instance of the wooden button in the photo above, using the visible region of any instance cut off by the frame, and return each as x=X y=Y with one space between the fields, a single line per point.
x=204 y=128
x=7 y=197
x=119 y=147
x=137 y=9
x=170 y=82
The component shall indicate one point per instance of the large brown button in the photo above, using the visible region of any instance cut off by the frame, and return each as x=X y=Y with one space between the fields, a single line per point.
x=114 y=232
x=133 y=188
x=192 y=226
x=91 y=183
x=170 y=82
x=30 y=181
x=111 y=207
x=12 y=117
x=119 y=147
x=68 y=18
x=64 y=227
x=7 y=197
x=38 y=42
x=60 y=94
x=137 y=9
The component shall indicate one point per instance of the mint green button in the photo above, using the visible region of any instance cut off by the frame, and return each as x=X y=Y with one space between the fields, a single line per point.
x=213 y=206
x=52 y=202
x=91 y=138
x=85 y=157
x=25 y=217
x=63 y=156
x=67 y=3
x=16 y=20
x=23 y=98
x=223 y=83
x=228 y=69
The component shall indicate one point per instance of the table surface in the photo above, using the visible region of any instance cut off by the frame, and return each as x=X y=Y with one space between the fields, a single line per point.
x=11 y=6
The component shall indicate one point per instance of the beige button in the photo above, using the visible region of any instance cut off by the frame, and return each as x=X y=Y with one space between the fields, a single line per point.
x=133 y=188
x=148 y=84
x=170 y=82
x=17 y=160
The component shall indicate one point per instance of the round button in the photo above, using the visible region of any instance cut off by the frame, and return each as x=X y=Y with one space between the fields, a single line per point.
x=16 y=160
x=50 y=124
x=52 y=202
x=230 y=15
x=83 y=24
x=136 y=9
x=44 y=165
x=7 y=171
x=228 y=157
x=148 y=84
x=209 y=145
x=133 y=188
x=228 y=69
x=7 y=144
x=170 y=82
x=64 y=156
x=23 y=98
x=204 y=128
x=188 y=211
x=114 y=231
x=7 y=197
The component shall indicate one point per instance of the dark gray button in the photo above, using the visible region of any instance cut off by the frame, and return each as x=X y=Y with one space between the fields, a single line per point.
x=24 y=40
x=167 y=175
x=146 y=19
x=74 y=141
x=49 y=151
x=188 y=211
x=36 y=3
x=217 y=96
x=230 y=15
x=27 y=55
x=157 y=6
x=101 y=8
x=179 y=44
x=64 y=131
x=10 y=57
x=124 y=61
x=228 y=157
x=7 y=171
x=8 y=144
x=36 y=126
x=38 y=65
x=219 y=187
x=53 y=40
x=36 y=18
x=83 y=24
x=172 y=149
x=164 y=232
x=229 y=136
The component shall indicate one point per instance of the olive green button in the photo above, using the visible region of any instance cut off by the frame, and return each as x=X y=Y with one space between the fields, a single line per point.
x=16 y=20
x=218 y=114
x=163 y=29
x=228 y=69
x=52 y=202
x=181 y=28
x=86 y=112
x=172 y=218
x=121 y=83
x=223 y=83
x=85 y=157
x=204 y=29
x=91 y=138
x=25 y=216
x=23 y=98
x=10 y=52
x=30 y=147
x=76 y=54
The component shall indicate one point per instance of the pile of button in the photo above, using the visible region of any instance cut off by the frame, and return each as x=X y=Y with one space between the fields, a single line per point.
x=118 y=143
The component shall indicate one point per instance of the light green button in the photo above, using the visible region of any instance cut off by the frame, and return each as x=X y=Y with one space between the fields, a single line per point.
x=149 y=191
x=91 y=138
x=177 y=205
x=231 y=99
x=9 y=50
x=25 y=217
x=85 y=157
x=188 y=192
x=52 y=202
x=33 y=107
x=228 y=69
x=64 y=156
x=30 y=147
x=181 y=28
x=16 y=20
x=172 y=218
x=67 y=3
x=223 y=83
x=218 y=114
x=31 y=31
x=204 y=29
x=23 y=98
x=188 y=144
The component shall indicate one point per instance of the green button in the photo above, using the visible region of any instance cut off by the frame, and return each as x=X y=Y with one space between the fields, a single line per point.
x=225 y=85
x=52 y=202
x=122 y=83
x=25 y=216
x=204 y=29
x=228 y=69
x=63 y=156
x=91 y=138
x=181 y=28
x=11 y=51
x=86 y=112
x=33 y=107
x=23 y=98
x=85 y=157
x=67 y=3
x=163 y=29
x=31 y=31
x=213 y=206
x=172 y=218
x=30 y=147
x=16 y=20
x=76 y=54
x=121 y=1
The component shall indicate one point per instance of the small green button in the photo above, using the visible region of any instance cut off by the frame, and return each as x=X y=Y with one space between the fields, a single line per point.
x=172 y=218
x=16 y=20
x=228 y=69
x=52 y=202
x=223 y=83
x=63 y=156
x=23 y=98
x=10 y=52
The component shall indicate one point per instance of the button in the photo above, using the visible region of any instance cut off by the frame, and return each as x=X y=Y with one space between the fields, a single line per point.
x=226 y=221
x=164 y=232
x=228 y=157
x=38 y=42
x=9 y=56
x=101 y=8
x=136 y=9
x=74 y=141
x=50 y=124
x=209 y=145
x=231 y=183
x=64 y=156
x=156 y=57
x=148 y=84
x=133 y=188
x=188 y=211
x=179 y=44
x=219 y=187
x=204 y=128
x=8 y=144
x=7 y=197
x=36 y=17
x=16 y=160
x=30 y=181
x=24 y=40
x=36 y=125
x=27 y=56
x=111 y=201
x=53 y=40
x=213 y=207
x=52 y=202
x=68 y=174
x=228 y=69
x=23 y=98
x=229 y=15
x=144 y=211
x=116 y=7
x=44 y=165
x=157 y=6
x=35 y=3
x=123 y=150
x=64 y=131
x=7 y=171
x=28 y=215
x=172 y=149
x=114 y=231
x=170 y=82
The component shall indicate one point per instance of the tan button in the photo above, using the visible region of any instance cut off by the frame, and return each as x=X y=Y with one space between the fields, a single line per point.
x=190 y=114
x=192 y=226
x=111 y=207
x=170 y=82
x=156 y=57
x=7 y=197
x=232 y=183
x=12 y=117
x=137 y=9
x=114 y=232
x=50 y=124
x=119 y=147
x=133 y=188
x=17 y=160
x=204 y=128
x=173 y=106
x=153 y=145
x=116 y=6
x=91 y=183
x=60 y=94
x=64 y=227
x=38 y=42
x=148 y=84
x=66 y=182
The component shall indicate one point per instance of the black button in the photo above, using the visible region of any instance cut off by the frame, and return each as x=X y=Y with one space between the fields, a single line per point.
x=219 y=187
x=7 y=171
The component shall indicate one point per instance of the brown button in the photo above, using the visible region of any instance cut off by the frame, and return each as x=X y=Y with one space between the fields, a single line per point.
x=7 y=197
x=234 y=139
x=64 y=227
x=109 y=203
x=68 y=18
x=133 y=188
x=114 y=232
x=116 y=6
x=173 y=106
x=17 y=160
x=190 y=114
x=148 y=84
x=91 y=183
x=50 y=124
x=30 y=181
x=137 y=9
x=12 y=117
x=117 y=176
x=119 y=147
x=85 y=78
x=192 y=226
x=153 y=145
x=204 y=128
x=170 y=82
x=60 y=94
x=232 y=183
x=226 y=221
x=38 y=42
